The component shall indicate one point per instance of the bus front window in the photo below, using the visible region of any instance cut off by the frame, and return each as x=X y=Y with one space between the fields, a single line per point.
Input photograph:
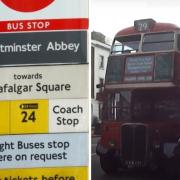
x=127 y=44
x=117 y=106
x=158 y=42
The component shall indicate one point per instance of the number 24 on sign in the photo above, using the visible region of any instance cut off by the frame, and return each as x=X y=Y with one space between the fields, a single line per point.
x=27 y=117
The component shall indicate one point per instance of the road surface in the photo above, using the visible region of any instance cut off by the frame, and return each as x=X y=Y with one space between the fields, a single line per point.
x=98 y=174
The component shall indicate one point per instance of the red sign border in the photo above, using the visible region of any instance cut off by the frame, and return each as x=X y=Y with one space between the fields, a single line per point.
x=54 y=24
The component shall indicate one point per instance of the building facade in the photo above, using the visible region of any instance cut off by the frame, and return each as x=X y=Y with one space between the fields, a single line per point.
x=100 y=50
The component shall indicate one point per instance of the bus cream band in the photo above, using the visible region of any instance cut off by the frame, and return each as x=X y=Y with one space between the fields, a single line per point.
x=68 y=115
x=56 y=10
x=44 y=82
x=66 y=173
x=44 y=150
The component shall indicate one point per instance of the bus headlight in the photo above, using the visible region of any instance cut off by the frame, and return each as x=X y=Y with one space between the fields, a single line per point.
x=112 y=143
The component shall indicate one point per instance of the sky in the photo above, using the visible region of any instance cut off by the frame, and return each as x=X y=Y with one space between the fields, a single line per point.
x=110 y=16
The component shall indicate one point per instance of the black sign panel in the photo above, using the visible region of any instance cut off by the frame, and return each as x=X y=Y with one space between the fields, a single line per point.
x=43 y=48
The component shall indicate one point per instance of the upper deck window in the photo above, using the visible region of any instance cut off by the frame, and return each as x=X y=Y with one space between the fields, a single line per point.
x=158 y=42
x=127 y=44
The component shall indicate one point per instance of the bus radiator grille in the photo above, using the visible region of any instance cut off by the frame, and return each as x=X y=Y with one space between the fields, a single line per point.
x=134 y=144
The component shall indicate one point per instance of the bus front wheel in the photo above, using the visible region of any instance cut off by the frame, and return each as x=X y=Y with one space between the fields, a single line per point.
x=108 y=164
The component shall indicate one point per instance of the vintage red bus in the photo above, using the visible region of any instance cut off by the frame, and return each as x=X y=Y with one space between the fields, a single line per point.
x=141 y=99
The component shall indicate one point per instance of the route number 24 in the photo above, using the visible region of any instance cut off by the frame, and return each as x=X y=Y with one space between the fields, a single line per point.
x=28 y=116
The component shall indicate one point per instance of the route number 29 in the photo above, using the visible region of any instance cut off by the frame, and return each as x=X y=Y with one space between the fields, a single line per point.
x=28 y=117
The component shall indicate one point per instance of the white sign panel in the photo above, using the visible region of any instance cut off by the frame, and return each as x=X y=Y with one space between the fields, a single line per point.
x=32 y=15
x=45 y=150
x=46 y=9
x=44 y=82
x=68 y=115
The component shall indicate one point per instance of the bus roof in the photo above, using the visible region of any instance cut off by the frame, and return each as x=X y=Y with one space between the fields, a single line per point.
x=158 y=27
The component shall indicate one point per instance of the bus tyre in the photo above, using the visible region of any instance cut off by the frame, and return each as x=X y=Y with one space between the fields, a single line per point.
x=175 y=173
x=175 y=165
x=108 y=164
x=172 y=168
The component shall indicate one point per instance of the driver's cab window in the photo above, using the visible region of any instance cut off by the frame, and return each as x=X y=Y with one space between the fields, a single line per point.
x=127 y=44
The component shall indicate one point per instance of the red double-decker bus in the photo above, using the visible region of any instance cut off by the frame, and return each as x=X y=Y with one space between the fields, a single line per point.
x=141 y=99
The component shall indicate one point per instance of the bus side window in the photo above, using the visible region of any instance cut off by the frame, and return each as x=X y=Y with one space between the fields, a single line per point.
x=178 y=42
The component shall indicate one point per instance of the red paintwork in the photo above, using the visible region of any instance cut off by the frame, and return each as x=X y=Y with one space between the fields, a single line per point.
x=160 y=130
x=158 y=27
x=169 y=131
x=54 y=24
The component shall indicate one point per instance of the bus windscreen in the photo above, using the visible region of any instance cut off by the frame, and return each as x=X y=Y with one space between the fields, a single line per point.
x=158 y=42
x=127 y=44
